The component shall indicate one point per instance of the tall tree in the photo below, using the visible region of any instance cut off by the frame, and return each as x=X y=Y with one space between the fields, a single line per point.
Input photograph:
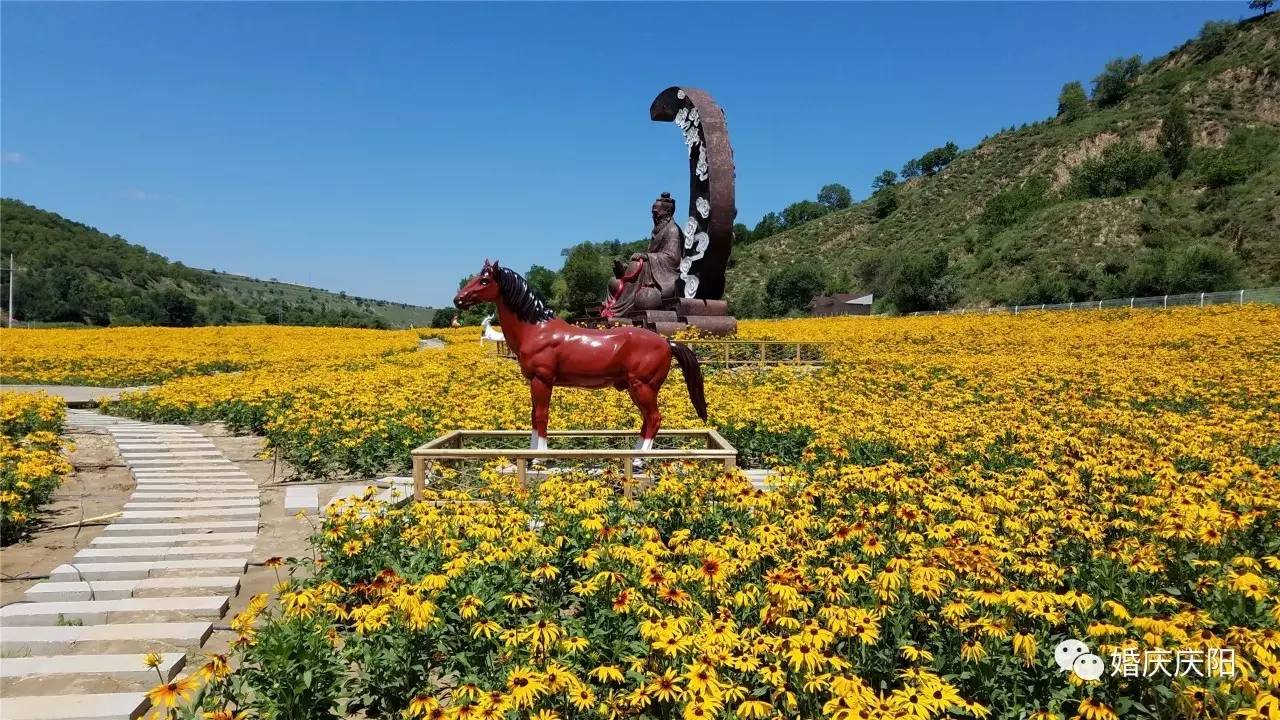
x=835 y=196
x=799 y=213
x=1116 y=78
x=770 y=224
x=1175 y=138
x=1072 y=102
x=888 y=178
x=1263 y=5
x=586 y=275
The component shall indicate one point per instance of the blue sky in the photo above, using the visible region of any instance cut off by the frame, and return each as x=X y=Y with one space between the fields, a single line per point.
x=387 y=149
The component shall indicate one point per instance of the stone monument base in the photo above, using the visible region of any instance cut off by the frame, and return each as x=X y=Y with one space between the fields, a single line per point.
x=710 y=317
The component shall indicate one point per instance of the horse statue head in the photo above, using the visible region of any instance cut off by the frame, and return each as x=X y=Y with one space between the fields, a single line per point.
x=484 y=287
x=507 y=289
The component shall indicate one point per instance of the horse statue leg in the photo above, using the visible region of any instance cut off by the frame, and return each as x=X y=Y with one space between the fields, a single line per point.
x=645 y=397
x=540 y=390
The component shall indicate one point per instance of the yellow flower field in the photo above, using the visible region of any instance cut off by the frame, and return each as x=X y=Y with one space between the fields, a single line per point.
x=958 y=495
x=31 y=462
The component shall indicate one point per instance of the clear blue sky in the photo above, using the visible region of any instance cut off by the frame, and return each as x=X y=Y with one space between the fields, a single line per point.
x=387 y=149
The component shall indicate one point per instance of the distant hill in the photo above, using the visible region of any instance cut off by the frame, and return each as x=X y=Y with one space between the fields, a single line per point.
x=68 y=272
x=1084 y=205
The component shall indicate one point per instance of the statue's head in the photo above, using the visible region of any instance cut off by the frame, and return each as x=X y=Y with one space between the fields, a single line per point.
x=481 y=288
x=664 y=208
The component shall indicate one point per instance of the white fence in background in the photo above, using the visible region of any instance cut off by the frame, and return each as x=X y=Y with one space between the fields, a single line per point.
x=1269 y=296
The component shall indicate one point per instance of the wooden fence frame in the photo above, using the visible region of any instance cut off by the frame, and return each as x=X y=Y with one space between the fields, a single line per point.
x=450 y=447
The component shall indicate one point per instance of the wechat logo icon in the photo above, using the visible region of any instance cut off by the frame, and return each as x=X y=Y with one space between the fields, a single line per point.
x=1074 y=656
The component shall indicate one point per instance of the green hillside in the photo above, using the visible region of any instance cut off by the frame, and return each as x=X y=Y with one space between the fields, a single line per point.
x=1081 y=206
x=68 y=272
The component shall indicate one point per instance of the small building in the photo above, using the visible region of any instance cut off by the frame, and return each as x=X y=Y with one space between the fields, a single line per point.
x=841 y=304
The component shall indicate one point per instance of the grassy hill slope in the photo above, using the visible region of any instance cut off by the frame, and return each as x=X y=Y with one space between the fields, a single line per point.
x=68 y=272
x=1008 y=221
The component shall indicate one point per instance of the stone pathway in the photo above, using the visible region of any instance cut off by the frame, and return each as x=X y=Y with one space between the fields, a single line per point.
x=155 y=580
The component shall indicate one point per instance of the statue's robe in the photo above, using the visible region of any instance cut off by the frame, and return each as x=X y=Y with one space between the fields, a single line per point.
x=659 y=278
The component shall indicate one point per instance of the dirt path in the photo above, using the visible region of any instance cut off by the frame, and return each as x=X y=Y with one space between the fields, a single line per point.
x=100 y=485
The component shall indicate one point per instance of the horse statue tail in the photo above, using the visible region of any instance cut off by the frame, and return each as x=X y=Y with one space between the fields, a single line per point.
x=692 y=376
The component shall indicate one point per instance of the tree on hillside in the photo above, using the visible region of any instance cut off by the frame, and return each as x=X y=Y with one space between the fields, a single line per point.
x=936 y=159
x=1175 y=137
x=586 y=274
x=911 y=169
x=770 y=224
x=919 y=282
x=1072 y=102
x=885 y=201
x=1213 y=38
x=543 y=280
x=741 y=234
x=835 y=196
x=887 y=178
x=797 y=214
x=1263 y=5
x=1117 y=77
x=790 y=289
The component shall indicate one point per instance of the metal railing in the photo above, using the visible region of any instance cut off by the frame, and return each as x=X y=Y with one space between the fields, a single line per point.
x=732 y=353
x=1269 y=296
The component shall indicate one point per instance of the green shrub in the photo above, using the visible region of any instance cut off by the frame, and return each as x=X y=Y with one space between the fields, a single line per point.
x=1015 y=204
x=1245 y=153
x=1202 y=267
x=1122 y=168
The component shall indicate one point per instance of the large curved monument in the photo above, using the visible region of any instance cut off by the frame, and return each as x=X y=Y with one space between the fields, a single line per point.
x=646 y=289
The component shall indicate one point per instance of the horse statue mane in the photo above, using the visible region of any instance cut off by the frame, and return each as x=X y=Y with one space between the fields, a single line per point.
x=521 y=298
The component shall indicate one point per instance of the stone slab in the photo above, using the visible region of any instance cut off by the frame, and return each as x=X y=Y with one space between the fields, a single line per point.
x=96 y=706
x=151 y=516
x=146 y=569
x=301 y=498
x=122 y=666
x=119 y=589
x=180 y=528
x=61 y=639
x=188 y=540
x=190 y=503
x=136 y=554
x=103 y=612
x=152 y=495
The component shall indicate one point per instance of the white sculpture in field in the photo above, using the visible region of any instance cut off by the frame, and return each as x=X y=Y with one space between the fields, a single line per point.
x=488 y=333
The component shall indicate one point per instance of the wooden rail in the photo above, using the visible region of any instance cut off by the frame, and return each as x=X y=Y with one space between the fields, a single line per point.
x=729 y=353
x=450 y=446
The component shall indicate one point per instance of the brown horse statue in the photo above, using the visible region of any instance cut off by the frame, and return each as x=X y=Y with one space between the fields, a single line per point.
x=552 y=352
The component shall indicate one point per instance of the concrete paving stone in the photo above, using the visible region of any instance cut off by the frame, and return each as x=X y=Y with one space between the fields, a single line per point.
x=192 y=454
x=192 y=464
x=188 y=540
x=192 y=503
x=187 y=552
x=179 y=528
x=349 y=491
x=151 y=516
x=150 y=495
x=141 y=569
x=96 y=706
x=118 y=589
x=301 y=498
x=64 y=639
x=190 y=475
x=121 y=666
x=104 y=612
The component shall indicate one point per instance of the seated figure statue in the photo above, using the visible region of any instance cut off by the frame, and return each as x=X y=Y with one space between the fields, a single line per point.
x=651 y=280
